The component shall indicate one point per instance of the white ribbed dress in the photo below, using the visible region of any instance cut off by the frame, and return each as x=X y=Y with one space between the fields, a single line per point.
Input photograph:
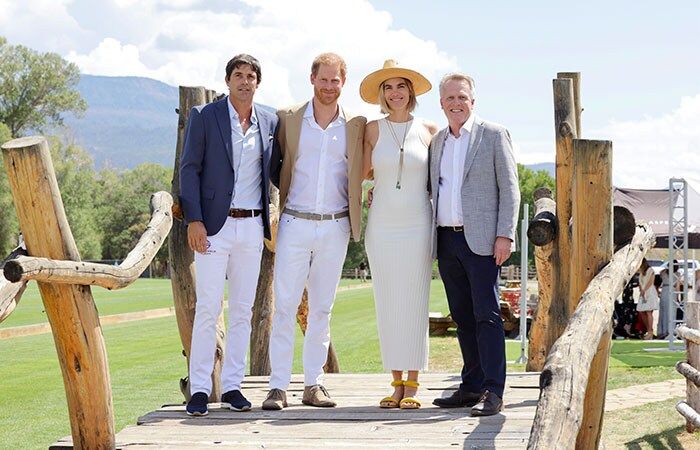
x=397 y=240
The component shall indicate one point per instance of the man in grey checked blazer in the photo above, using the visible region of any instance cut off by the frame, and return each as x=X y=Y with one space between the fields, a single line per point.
x=476 y=197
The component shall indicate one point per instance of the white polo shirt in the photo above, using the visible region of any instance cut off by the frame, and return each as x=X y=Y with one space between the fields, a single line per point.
x=454 y=155
x=320 y=178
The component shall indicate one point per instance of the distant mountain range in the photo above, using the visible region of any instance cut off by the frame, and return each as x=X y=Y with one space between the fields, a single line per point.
x=132 y=120
x=129 y=121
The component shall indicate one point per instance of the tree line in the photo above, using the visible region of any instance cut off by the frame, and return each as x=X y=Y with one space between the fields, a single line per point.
x=108 y=209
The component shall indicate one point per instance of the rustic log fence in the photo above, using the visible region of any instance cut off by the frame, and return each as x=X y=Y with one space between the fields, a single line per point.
x=579 y=279
x=64 y=283
x=690 y=369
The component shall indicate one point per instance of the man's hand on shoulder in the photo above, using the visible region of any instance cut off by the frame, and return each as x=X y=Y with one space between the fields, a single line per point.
x=197 y=236
x=501 y=249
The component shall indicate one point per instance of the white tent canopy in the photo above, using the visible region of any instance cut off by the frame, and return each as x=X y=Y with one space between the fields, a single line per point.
x=652 y=206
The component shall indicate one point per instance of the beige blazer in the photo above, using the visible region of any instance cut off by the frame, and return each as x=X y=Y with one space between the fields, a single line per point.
x=288 y=149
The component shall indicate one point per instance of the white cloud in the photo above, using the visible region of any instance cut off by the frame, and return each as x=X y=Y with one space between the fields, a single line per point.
x=110 y=57
x=647 y=152
x=42 y=24
x=188 y=42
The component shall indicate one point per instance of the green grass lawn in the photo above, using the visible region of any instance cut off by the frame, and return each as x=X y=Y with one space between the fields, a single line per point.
x=146 y=363
x=655 y=426
x=142 y=295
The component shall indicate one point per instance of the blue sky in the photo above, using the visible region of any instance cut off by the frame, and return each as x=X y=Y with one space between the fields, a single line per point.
x=638 y=59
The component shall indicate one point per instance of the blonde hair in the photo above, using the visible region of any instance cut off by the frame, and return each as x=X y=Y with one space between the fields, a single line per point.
x=329 y=59
x=412 y=101
x=459 y=76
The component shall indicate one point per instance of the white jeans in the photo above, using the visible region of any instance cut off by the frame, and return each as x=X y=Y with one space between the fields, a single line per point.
x=308 y=252
x=234 y=253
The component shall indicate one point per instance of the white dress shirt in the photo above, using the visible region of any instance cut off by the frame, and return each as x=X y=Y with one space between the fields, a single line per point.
x=247 y=161
x=320 y=178
x=454 y=155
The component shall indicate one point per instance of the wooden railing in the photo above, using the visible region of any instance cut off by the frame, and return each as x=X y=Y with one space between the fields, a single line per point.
x=579 y=278
x=689 y=369
x=64 y=283
x=567 y=371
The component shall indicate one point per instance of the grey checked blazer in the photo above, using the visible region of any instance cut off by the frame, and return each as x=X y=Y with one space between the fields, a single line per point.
x=490 y=190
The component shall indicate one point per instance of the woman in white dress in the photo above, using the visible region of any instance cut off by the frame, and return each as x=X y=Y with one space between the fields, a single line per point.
x=399 y=225
x=666 y=302
x=648 y=298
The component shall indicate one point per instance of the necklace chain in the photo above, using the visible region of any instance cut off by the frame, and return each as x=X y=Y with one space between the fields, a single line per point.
x=400 y=145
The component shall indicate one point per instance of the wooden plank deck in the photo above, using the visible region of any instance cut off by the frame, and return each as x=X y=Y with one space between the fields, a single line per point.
x=355 y=423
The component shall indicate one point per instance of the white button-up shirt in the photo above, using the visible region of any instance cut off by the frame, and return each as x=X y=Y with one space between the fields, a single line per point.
x=247 y=161
x=454 y=155
x=320 y=178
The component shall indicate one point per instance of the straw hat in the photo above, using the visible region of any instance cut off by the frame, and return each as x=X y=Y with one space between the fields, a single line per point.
x=369 y=88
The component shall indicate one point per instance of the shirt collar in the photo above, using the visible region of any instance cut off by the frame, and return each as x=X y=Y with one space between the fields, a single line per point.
x=235 y=118
x=309 y=114
x=465 y=130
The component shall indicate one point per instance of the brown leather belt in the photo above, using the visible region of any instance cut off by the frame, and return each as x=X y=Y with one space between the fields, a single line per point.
x=240 y=213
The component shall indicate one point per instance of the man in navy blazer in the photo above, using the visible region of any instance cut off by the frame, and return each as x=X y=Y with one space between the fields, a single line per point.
x=224 y=184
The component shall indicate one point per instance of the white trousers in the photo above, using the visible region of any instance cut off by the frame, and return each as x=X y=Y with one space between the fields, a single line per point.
x=311 y=253
x=234 y=253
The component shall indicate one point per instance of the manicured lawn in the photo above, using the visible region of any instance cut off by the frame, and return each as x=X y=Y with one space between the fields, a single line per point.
x=631 y=363
x=142 y=295
x=655 y=426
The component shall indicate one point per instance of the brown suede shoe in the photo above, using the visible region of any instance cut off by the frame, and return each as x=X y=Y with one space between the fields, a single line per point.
x=488 y=405
x=317 y=395
x=276 y=400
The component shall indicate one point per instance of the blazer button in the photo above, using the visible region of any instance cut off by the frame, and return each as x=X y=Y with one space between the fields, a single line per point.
x=230 y=193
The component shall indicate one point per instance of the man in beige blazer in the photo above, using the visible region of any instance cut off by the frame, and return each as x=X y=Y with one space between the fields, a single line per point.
x=317 y=165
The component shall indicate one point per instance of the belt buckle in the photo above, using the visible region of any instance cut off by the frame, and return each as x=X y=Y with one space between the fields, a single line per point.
x=457 y=229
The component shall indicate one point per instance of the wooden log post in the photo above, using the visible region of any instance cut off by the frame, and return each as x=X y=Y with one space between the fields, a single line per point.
x=10 y=294
x=592 y=240
x=542 y=232
x=25 y=268
x=564 y=378
x=263 y=306
x=70 y=309
x=562 y=306
x=575 y=78
x=692 y=311
x=181 y=257
x=332 y=365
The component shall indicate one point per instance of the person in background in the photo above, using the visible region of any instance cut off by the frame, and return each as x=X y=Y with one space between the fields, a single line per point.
x=667 y=299
x=648 y=298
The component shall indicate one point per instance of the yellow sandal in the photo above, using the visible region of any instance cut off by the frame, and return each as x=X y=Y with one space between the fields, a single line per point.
x=410 y=402
x=391 y=402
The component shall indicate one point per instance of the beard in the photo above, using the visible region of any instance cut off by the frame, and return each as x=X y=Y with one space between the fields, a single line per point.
x=326 y=97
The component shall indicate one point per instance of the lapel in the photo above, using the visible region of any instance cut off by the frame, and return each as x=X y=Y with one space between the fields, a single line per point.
x=438 y=148
x=224 y=122
x=293 y=133
x=352 y=129
x=474 y=141
x=265 y=135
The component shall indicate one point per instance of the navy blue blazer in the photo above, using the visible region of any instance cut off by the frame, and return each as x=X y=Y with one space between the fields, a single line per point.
x=206 y=166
